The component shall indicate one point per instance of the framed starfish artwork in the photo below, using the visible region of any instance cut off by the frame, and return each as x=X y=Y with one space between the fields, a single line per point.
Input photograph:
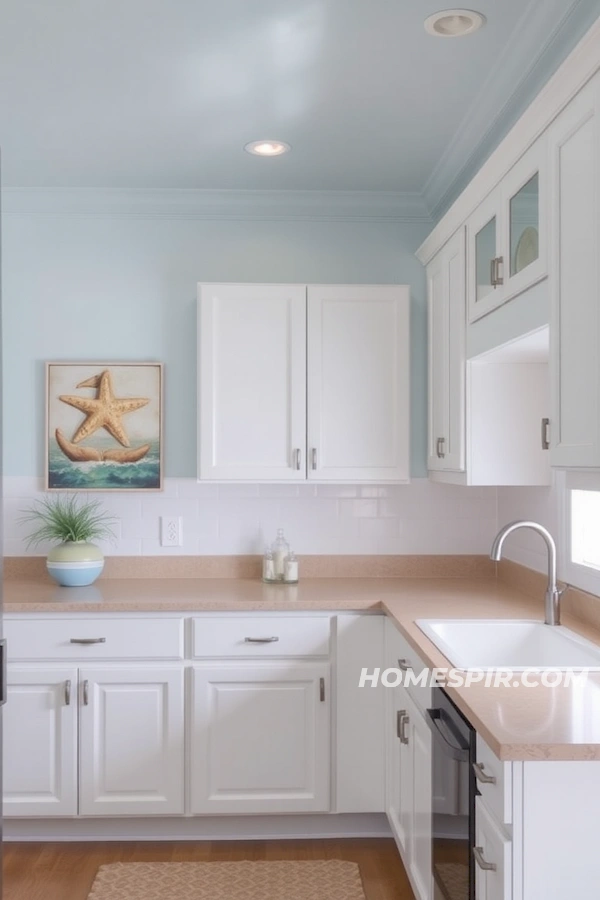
x=104 y=426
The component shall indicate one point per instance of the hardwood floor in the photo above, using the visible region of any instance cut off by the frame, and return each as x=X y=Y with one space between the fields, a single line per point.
x=65 y=871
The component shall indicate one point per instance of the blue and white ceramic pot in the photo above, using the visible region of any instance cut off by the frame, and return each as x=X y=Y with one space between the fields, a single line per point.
x=75 y=563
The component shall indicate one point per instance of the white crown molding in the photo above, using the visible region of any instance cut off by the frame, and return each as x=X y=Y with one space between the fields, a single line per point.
x=510 y=83
x=581 y=65
x=215 y=204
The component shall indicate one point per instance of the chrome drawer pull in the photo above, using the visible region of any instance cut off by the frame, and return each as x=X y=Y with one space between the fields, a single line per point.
x=481 y=776
x=68 y=692
x=403 y=735
x=480 y=860
x=265 y=640
x=86 y=693
x=88 y=640
x=404 y=665
x=298 y=459
x=399 y=718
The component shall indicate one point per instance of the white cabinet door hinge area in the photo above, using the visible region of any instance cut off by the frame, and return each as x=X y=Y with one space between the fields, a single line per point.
x=131 y=741
x=358 y=383
x=260 y=737
x=252 y=382
x=40 y=742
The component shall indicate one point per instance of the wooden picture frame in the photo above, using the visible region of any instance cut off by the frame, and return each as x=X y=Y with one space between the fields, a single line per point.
x=104 y=426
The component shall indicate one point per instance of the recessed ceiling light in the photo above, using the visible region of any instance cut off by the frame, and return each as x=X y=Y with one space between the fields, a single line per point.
x=449 y=23
x=267 y=148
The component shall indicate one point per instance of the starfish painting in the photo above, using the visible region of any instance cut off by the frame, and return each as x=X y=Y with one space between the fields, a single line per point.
x=103 y=411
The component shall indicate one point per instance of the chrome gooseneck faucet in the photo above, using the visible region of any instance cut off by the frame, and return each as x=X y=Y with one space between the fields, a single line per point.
x=553 y=593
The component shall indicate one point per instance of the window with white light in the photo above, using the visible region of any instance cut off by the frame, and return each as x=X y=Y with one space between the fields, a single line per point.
x=585 y=528
x=583 y=531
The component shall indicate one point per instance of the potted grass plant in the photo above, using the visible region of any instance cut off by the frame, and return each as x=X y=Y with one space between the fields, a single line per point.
x=74 y=524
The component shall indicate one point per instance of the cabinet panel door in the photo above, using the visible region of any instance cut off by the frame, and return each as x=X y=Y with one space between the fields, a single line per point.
x=575 y=281
x=420 y=864
x=131 y=741
x=40 y=742
x=260 y=738
x=252 y=382
x=358 y=382
x=447 y=324
x=493 y=848
x=484 y=242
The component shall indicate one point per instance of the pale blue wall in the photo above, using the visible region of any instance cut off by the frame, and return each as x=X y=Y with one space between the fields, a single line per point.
x=118 y=288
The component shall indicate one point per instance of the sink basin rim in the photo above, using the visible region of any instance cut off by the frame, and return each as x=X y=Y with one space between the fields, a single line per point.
x=571 y=642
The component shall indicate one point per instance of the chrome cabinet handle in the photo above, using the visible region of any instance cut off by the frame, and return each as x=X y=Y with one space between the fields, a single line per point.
x=265 y=640
x=298 y=458
x=439 y=447
x=399 y=717
x=482 y=776
x=88 y=640
x=313 y=458
x=545 y=434
x=86 y=693
x=481 y=862
x=493 y=272
x=322 y=690
x=499 y=278
x=403 y=735
x=404 y=665
x=68 y=692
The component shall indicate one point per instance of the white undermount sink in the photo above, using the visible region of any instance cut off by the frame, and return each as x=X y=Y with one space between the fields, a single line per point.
x=514 y=645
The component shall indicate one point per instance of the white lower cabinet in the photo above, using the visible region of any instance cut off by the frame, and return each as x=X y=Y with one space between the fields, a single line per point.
x=409 y=789
x=493 y=857
x=40 y=742
x=131 y=741
x=260 y=738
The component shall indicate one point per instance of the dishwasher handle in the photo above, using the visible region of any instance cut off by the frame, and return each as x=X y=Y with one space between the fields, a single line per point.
x=442 y=730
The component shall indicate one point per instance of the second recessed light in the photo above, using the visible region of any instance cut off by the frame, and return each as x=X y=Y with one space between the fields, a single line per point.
x=267 y=148
x=454 y=23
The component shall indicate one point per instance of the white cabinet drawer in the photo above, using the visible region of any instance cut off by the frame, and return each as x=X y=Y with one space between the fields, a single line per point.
x=400 y=654
x=497 y=793
x=260 y=636
x=109 y=638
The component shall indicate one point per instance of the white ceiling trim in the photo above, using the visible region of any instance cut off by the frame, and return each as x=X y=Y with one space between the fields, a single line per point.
x=216 y=204
x=509 y=77
x=581 y=65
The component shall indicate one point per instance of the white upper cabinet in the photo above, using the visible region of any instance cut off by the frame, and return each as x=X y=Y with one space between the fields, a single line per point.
x=252 y=382
x=575 y=281
x=506 y=235
x=358 y=382
x=446 y=317
x=257 y=361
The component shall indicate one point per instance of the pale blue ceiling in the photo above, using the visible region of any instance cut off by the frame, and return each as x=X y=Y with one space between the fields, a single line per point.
x=151 y=94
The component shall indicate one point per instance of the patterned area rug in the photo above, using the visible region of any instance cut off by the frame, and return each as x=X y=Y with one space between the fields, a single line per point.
x=455 y=877
x=285 y=880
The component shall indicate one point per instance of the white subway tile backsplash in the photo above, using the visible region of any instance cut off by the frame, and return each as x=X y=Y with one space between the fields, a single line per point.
x=228 y=519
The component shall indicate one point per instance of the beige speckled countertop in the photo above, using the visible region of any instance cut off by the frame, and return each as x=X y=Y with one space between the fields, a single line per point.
x=561 y=723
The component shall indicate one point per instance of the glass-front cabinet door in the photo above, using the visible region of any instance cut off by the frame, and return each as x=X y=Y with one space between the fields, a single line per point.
x=483 y=256
x=507 y=235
